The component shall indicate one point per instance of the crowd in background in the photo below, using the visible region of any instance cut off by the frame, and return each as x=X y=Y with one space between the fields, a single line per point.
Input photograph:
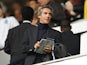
x=14 y=14
x=69 y=9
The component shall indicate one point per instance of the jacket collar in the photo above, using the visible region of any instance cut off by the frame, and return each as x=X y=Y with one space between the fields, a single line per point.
x=26 y=21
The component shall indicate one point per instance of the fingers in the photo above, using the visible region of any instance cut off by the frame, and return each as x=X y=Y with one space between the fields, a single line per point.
x=47 y=49
x=37 y=45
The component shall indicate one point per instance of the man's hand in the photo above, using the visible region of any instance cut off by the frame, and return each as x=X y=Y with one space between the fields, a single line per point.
x=37 y=45
x=47 y=49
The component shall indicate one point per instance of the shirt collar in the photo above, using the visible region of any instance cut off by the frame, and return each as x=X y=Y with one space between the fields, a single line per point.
x=26 y=21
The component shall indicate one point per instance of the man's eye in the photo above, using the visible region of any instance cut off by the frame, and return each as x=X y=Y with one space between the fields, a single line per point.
x=50 y=14
x=45 y=12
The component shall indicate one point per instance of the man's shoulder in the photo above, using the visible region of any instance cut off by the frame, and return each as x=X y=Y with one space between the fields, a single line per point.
x=65 y=33
x=14 y=28
x=21 y=26
x=53 y=30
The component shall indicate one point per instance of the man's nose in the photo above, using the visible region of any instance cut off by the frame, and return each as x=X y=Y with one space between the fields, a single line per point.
x=48 y=15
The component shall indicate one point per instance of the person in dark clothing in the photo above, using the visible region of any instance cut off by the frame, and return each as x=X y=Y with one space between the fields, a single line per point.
x=70 y=40
x=13 y=45
x=23 y=50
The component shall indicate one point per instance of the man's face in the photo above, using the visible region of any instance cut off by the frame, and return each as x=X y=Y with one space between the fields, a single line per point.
x=45 y=16
x=43 y=2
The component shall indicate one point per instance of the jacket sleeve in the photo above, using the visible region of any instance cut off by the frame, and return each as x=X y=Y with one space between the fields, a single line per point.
x=7 y=44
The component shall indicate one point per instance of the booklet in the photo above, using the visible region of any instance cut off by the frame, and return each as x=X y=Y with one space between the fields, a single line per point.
x=45 y=43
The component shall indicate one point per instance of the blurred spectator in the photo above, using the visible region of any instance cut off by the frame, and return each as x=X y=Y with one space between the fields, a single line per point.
x=6 y=24
x=9 y=12
x=15 y=10
x=34 y=5
x=65 y=26
x=74 y=9
x=71 y=41
x=69 y=7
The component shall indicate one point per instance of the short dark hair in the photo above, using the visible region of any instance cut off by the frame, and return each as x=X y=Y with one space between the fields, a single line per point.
x=27 y=13
x=65 y=24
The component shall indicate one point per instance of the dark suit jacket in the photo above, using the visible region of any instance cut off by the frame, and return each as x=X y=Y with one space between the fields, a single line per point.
x=31 y=35
x=20 y=43
x=72 y=42
x=14 y=43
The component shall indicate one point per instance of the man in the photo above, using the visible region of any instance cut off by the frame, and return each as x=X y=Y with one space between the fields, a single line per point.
x=5 y=24
x=58 y=11
x=32 y=3
x=43 y=31
x=13 y=45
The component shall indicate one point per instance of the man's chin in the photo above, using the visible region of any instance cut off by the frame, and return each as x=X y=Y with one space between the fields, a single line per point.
x=46 y=22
